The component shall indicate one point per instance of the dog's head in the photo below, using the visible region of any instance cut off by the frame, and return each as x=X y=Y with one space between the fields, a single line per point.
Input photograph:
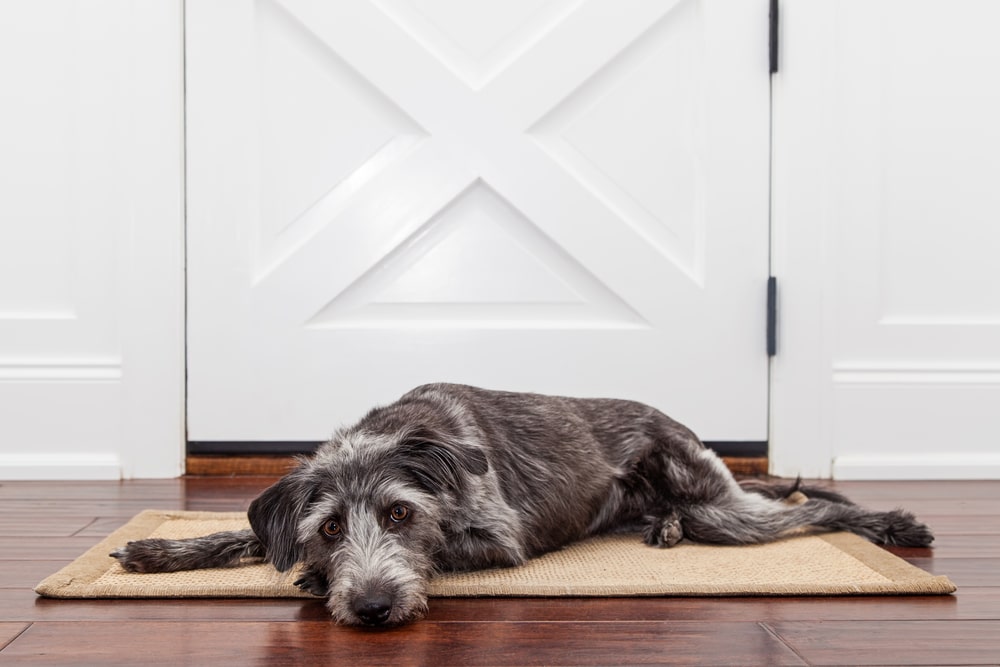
x=365 y=517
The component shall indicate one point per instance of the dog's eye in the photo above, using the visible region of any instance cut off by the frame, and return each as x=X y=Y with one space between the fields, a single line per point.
x=399 y=513
x=331 y=528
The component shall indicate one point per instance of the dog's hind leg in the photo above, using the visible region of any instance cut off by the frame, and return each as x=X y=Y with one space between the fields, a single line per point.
x=678 y=473
x=216 y=550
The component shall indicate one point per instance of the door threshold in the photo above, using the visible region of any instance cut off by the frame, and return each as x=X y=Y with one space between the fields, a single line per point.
x=237 y=465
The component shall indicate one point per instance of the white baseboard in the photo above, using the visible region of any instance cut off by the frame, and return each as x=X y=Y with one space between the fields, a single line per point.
x=973 y=465
x=68 y=466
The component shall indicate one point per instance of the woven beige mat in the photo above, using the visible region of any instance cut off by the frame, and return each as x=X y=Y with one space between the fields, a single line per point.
x=832 y=564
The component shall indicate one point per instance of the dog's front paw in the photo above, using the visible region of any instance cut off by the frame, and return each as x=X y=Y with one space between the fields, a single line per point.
x=314 y=582
x=143 y=556
x=663 y=532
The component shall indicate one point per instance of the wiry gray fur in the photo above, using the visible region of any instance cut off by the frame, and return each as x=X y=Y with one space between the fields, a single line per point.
x=452 y=477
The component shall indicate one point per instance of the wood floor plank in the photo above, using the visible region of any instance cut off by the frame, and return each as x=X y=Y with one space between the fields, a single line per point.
x=45 y=548
x=893 y=642
x=13 y=524
x=24 y=605
x=151 y=489
x=952 y=524
x=955 y=546
x=968 y=604
x=102 y=526
x=927 y=509
x=464 y=643
x=26 y=573
x=55 y=509
x=971 y=604
x=963 y=572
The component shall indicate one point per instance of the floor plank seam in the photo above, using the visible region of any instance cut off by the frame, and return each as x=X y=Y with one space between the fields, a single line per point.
x=84 y=528
x=777 y=637
x=16 y=637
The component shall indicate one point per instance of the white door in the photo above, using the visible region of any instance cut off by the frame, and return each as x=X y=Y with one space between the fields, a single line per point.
x=567 y=197
x=91 y=240
x=886 y=213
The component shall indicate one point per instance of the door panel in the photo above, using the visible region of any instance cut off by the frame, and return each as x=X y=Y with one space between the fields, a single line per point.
x=91 y=240
x=886 y=237
x=566 y=197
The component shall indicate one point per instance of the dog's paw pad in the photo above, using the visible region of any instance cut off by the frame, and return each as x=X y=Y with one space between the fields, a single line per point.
x=671 y=533
x=663 y=532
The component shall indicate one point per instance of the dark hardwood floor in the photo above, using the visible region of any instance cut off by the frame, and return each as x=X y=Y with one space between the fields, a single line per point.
x=44 y=525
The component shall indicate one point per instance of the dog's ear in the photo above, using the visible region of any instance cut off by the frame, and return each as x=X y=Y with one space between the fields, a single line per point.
x=440 y=464
x=274 y=516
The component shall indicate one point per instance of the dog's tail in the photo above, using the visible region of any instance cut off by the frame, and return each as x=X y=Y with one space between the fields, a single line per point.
x=751 y=518
x=225 y=549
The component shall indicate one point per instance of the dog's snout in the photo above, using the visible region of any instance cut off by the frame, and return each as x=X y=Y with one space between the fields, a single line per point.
x=373 y=609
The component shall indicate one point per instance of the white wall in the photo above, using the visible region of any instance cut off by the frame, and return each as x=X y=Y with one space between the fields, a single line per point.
x=91 y=239
x=886 y=239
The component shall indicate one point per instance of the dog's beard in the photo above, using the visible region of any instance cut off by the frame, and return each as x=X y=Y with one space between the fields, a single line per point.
x=397 y=581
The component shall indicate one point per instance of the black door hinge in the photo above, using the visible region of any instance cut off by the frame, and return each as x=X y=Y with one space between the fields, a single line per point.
x=772 y=316
x=773 y=35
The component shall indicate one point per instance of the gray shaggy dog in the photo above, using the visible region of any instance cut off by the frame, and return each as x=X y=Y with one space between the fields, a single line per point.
x=452 y=477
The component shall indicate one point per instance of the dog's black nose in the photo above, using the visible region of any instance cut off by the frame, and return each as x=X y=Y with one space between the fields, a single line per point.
x=373 y=609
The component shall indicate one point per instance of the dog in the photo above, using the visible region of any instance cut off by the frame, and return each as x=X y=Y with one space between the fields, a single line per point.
x=453 y=477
